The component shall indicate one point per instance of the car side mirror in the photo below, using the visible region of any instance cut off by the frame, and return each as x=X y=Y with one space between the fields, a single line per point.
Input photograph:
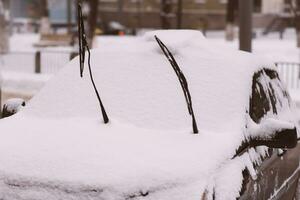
x=274 y=134
x=12 y=106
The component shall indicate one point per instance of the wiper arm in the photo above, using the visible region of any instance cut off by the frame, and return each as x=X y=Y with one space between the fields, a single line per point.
x=182 y=80
x=83 y=45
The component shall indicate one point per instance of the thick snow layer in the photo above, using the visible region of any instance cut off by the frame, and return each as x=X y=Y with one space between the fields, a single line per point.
x=58 y=147
x=120 y=159
x=138 y=85
x=278 y=50
x=268 y=127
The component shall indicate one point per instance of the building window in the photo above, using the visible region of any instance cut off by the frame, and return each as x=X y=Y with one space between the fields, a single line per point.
x=223 y=1
x=200 y=1
x=172 y=1
x=108 y=1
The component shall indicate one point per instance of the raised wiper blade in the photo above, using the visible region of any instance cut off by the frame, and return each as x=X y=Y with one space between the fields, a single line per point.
x=81 y=39
x=182 y=80
x=83 y=45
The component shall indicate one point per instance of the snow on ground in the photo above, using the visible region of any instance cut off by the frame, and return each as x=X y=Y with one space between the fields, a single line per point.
x=21 y=57
x=23 y=83
x=23 y=42
x=269 y=46
x=17 y=67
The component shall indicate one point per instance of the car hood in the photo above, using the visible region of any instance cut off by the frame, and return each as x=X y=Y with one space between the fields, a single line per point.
x=83 y=158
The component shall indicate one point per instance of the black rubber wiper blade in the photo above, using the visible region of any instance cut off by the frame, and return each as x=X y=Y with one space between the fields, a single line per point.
x=182 y=80
x=81 y=39
x=83 y=46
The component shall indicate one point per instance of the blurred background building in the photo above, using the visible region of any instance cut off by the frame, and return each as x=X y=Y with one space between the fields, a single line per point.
x=195 y=14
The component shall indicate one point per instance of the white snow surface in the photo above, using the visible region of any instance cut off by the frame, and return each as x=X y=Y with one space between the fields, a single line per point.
x=138 y=85
x=268 y=127
x=23 y=83
x=58 y=147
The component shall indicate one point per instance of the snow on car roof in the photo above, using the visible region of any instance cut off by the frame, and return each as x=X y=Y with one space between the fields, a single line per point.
x=58 y=145
x=138 y=85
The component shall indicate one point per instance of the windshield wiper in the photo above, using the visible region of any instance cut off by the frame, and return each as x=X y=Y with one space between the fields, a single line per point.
x=81 y=39
x=182 y=80
x=83 y=45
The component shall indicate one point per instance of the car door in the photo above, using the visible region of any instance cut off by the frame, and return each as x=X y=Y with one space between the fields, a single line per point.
x=277 y=174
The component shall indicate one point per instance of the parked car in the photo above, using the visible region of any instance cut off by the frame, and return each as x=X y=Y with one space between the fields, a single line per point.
x=112 y=28
x=57 y=146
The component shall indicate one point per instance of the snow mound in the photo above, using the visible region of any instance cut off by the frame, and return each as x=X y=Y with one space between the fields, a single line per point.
x=58 y=145
x=138 y=85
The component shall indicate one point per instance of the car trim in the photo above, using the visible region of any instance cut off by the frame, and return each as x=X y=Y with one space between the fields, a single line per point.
x=280 y=191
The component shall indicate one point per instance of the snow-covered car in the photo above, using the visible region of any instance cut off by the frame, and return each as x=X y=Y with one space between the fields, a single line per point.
x=57 y=147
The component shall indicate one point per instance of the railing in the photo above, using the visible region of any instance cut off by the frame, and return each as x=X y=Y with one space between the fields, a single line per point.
x=44 y=61
x=290 y=74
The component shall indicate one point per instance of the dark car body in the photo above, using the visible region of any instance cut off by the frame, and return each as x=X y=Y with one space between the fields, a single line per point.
x=278 y=172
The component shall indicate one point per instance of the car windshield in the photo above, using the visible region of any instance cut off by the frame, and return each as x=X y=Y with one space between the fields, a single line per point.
x=137 y=85
x=61 y=136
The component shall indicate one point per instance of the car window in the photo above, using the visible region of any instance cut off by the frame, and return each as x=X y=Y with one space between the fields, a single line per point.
x=268 y=95
x=281 y=99
x=259 y=103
